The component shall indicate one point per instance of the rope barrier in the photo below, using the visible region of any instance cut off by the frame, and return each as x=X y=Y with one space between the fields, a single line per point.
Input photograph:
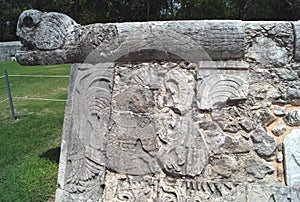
x=40 y=99
x=3 y=100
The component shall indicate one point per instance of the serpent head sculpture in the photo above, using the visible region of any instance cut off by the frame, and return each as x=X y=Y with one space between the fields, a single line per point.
x=53 y=38
x=46 y=37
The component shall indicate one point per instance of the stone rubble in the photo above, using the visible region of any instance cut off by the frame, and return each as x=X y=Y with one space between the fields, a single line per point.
x=293 y=118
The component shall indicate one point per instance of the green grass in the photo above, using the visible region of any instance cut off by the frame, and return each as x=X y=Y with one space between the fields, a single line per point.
x=29 y=147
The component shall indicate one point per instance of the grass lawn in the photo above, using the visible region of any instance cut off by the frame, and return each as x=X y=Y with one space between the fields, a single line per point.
x=29 y=147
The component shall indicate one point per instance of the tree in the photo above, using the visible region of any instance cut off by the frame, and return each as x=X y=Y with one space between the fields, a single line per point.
x=92 y=11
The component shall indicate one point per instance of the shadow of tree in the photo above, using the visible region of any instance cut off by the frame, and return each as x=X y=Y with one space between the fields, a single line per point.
x=52 y=155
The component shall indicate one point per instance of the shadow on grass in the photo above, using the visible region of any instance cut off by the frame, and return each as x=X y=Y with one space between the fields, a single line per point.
x=52 y=155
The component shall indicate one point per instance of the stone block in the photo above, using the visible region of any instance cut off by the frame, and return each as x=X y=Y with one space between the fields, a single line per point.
x=190 y=40
x=293 y=118
x=292 y=158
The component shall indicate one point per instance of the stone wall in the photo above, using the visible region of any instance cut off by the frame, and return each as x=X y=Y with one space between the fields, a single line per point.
x=175 y=111
x=224 y=130
x=8 y=50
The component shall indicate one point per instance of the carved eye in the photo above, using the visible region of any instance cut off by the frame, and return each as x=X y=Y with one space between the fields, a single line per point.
x=28 y=22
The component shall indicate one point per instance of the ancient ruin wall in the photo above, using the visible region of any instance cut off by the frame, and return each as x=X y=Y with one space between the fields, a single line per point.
x=175 y=111
x=8 y=50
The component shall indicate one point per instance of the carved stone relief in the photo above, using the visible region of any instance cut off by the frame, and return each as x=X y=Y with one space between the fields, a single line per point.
x=183 y=150
x=147 y=140
x=185 y=113
x=219 y=89
x=84 y=143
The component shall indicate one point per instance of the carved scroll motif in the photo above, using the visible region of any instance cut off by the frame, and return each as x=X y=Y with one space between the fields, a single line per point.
x=91 y=113
x=218 y=89
x=130 y=188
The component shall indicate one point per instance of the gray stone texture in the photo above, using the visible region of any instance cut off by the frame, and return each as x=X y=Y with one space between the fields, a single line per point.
x=292 y=158
x=55 y=38
x=258 y=168
x=259 y=193
x=264 y=144
x=8 y=50
x=279 y=128
x=175 y=110
x=279 y=111
x=293 y=118
x=296 y=26
x=269 y=43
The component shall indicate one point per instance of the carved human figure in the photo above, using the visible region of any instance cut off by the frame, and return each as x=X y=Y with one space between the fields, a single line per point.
x=180 y=90
x=184 y=151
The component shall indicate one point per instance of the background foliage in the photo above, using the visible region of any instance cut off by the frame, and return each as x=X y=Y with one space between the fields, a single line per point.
x=91 y=11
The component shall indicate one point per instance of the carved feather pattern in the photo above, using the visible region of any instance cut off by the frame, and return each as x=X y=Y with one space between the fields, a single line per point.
x=83 y=170
x=220 y=88
x=92 y=98
x=98 y=99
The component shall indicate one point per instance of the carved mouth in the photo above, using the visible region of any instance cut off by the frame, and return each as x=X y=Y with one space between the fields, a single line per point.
x=27 y=46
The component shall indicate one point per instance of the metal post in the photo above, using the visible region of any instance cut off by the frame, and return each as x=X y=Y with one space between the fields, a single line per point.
x=13 y=117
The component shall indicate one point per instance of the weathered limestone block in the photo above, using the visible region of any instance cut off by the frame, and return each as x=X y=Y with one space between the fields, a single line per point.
x=295 y=194
x=216 y=90
x=292 y=158
x=185 y=151
x=224 y=165
x=82 y=160
x=131 y=142
x=293 y=95
x=296 y=26
x=263 y=193
x=286 y=74
x=180 y=88
x=264 y=144
x=172 y=111
x=269 y=43
x=279 y=111
x=279 y=128
x=8 y=50
x=51 y=38
x=231 y=67
x=193 y=190
x=258 y=168
x=130 y=188
x=293 y=118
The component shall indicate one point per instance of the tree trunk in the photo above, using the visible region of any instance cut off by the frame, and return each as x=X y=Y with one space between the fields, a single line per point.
x=246 y=9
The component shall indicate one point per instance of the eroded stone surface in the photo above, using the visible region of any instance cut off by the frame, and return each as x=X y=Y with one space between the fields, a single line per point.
x=219 y=89
x=293 y=118
x=184 y=150
x=83 y=160
x=52 y=38
x=268 y=193
x=264 y=144
x=269 y=44
x=292 y=158
x=297 y=39
x=258 y=168
x=279 y=111
x=279 y=128
x=173 y=111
